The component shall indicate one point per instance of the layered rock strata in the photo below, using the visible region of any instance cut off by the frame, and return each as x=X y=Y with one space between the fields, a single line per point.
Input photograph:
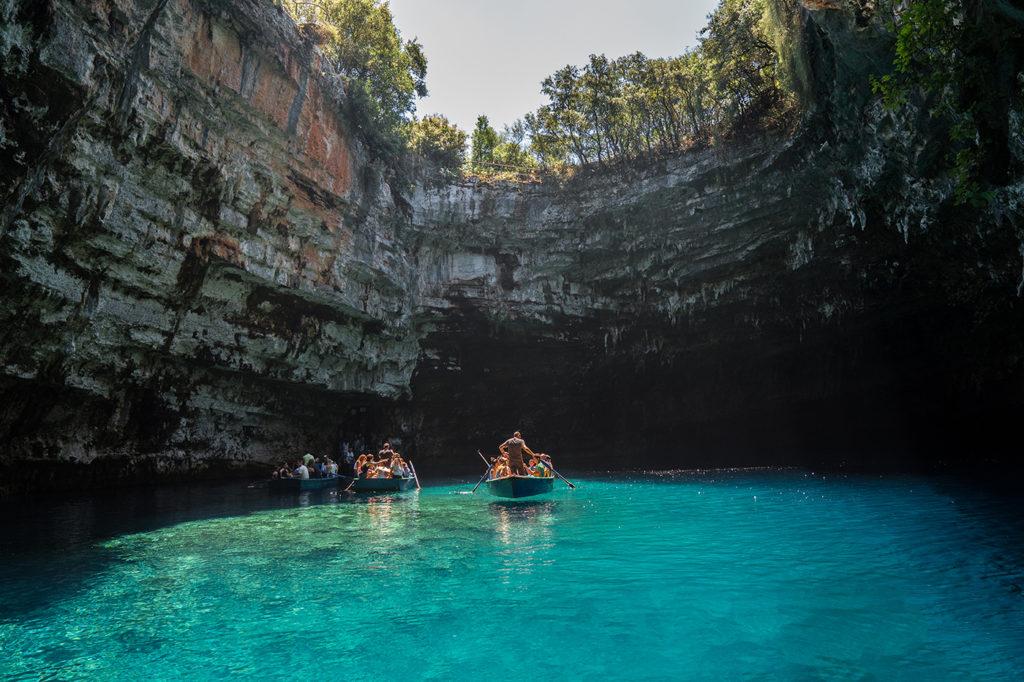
x=198 y=264
x=203 y=270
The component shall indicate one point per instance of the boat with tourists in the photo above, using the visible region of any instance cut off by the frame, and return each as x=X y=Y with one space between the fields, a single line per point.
x=383 y=485
x=520 y=486
x=389 y=472
x=509 y=475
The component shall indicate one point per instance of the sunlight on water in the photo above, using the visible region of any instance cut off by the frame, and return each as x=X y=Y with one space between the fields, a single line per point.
x=774 y=575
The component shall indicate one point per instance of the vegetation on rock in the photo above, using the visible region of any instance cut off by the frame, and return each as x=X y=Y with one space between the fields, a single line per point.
x=960 y=60
x=636 y=107
x=963 y=62
x=607 y=110
x=383 y=74
x=440 y=142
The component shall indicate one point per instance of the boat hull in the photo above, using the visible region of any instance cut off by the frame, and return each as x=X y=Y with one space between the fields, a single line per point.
x=383 y=485
x=303 y=484
x=519 y=486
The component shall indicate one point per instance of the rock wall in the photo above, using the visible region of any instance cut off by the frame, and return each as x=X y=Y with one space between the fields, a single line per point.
x=737 y=309
x=199 y=267
x=814 y=297
x=202 y=271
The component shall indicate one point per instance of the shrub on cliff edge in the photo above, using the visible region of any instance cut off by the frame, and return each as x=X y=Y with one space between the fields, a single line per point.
x=383 y=74
x=440 y=142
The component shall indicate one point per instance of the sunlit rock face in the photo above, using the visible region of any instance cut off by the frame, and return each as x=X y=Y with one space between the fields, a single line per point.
x=202 y=272
x=198 y=269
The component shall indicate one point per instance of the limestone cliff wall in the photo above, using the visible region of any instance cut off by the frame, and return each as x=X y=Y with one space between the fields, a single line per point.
x=812 y=297
x=203 y=270
x=197 y=261
x=735 y=308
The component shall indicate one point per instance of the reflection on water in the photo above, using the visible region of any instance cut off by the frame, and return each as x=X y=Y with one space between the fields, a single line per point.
x=524 y=528
x=526 y=518
x=784 y=576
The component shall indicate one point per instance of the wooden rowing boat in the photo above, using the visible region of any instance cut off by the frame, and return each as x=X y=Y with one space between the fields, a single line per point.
x=383 y=485
x=303 y=484
x=520 y=486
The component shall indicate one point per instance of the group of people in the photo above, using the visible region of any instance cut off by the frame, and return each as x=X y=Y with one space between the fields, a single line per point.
x=511 y=463
x=389 y=464
x=308 y=467
x=386 y=464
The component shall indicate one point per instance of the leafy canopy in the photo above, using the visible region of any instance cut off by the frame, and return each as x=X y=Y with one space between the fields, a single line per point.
x=383 y=74
x=485 y=140
x=635 y=107
x=604 y=111
x=440 y=142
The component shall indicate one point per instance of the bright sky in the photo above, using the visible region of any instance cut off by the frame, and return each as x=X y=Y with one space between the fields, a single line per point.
x=489 y=56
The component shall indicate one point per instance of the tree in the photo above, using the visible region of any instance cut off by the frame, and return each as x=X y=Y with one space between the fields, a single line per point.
x=633 y=106
x=440 y=142
x=741 y=61
x=383 y=75
x=485 y=140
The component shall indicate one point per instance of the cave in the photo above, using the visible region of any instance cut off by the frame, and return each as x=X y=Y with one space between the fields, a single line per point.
x=206 y=269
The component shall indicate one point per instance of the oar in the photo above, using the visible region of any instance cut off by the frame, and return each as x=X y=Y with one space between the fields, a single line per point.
x=413 y=467
x=567 y=481
x=551 y=466
x=482 y=478
x=487 y=472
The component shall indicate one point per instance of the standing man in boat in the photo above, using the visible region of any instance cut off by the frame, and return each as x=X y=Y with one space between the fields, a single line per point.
x=514 y=448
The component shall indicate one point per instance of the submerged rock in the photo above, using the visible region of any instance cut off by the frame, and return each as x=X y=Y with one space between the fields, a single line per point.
x=202 y=270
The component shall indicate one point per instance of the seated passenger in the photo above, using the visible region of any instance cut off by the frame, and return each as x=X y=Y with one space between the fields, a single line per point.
x=545 y=461
x=501 y=467
x=301 y=471
x=332 y=468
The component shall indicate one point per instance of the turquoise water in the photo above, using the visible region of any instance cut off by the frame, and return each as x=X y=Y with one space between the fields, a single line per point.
x=769 y=575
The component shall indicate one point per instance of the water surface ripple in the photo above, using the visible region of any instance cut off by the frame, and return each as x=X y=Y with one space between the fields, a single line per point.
x=770 y=575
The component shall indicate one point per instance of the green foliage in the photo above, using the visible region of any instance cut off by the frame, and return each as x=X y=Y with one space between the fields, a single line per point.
x=604 y=111
x=633 y=107
x=440 y=142
x=383 y=74
x=511 y=153
x=504 y=156
x=963 y=60
x=484 y=141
